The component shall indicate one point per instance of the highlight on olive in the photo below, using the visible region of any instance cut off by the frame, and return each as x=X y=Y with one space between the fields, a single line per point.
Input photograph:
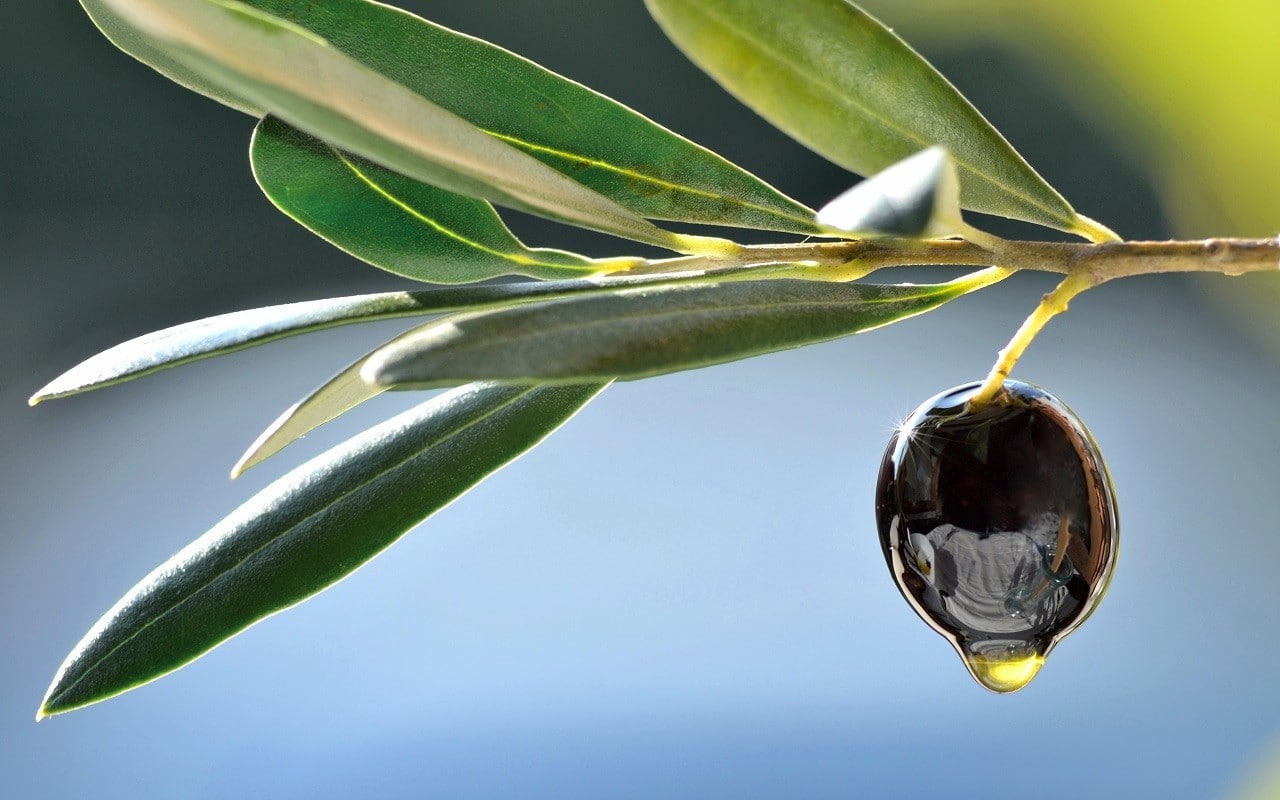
x=998 y=522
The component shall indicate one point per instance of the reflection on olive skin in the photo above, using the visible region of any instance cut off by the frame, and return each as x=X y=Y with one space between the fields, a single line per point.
x=998 y=581
x=999 y=526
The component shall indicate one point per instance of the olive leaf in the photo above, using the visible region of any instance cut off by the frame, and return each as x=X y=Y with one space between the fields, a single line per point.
x=307 y=531
x=588 y=136
x=642 y=332
x=298 y=76
x=239 y=330
x=840 y=82
x=916 y=197
x=393 y=222
x=643 y=166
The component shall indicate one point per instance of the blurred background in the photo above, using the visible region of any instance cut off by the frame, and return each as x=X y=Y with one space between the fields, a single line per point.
x=681 y=593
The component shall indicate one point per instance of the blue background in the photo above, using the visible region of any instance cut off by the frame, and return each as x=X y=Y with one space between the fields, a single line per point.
x=680 y=594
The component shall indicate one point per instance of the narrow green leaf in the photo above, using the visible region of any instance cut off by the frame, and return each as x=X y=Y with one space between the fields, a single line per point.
x=301 y=78
x=228 y=333
x=591 y=138
x=643 y=166
x=638 y=333
x=840 y=82
x=915 y=197
x=393 y=222
x=307 y=531
x=239 y=330
x=335 y=397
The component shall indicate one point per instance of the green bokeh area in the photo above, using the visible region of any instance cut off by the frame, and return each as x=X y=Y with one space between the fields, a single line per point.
x=1187 y=91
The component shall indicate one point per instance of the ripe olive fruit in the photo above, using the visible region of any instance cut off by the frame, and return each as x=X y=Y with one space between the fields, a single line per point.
x=999 y=525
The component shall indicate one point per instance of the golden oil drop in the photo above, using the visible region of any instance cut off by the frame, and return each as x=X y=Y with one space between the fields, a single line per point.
x=999 y=526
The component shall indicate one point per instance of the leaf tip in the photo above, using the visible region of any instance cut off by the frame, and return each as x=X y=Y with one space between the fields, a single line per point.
x=252 y=457
x=264 y=446
x=53 y=702
x=52 y=707
x=49 y=706
x=49 y=391
x=259 y=452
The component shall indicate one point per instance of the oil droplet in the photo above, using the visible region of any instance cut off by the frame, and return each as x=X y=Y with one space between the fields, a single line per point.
x=1006 y=671
x=999 y=526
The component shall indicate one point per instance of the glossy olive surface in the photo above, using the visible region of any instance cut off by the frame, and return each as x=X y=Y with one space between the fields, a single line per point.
x=999 y=525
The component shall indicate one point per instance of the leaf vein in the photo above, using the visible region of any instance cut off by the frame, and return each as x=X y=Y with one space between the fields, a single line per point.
x=515 y=258
x=646 y=178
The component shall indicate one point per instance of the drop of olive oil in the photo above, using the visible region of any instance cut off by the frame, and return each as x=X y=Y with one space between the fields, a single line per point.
x=1004 y=675
x=999 y=526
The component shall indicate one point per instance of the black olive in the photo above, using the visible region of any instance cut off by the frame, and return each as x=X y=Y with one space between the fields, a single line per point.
x=999 y=525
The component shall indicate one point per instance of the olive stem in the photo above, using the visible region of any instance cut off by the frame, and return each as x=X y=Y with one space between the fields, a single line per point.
x=1106 y=261
x=1051 y=305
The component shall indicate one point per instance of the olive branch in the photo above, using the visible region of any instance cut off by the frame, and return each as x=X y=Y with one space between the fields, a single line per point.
x=397 y=139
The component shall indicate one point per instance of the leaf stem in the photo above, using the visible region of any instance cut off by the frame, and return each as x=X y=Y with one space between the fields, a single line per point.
x=1095 y=231
x=979 y=237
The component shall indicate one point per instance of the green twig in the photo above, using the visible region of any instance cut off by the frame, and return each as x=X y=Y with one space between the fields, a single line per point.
x=1051 y=305
x=1104 y=262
